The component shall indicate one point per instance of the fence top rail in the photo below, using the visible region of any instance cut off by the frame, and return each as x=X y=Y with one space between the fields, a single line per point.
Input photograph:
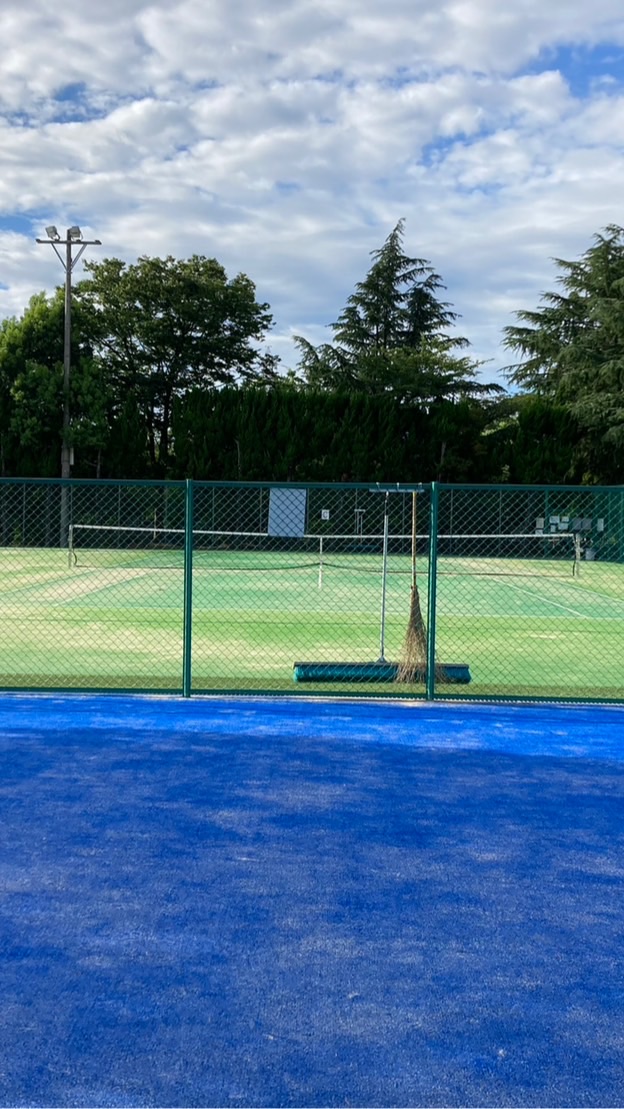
x=468 y=488
x=93 y=482
x=180 y=483
x=368 y=486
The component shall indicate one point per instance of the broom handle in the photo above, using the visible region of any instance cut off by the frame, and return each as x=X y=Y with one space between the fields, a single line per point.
x=384 y=572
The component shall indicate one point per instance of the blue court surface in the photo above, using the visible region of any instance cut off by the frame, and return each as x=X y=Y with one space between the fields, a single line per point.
x=276 y=903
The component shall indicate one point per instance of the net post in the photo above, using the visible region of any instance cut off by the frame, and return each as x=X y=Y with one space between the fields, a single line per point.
x=187 y=675
x=431 y=589
x=70 y=546
x=576 y=565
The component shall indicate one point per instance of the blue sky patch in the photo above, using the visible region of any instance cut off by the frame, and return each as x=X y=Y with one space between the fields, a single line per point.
x=585 y=68
x=286 y=187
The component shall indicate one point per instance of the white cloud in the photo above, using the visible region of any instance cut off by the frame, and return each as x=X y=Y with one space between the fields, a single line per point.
x=287 y=138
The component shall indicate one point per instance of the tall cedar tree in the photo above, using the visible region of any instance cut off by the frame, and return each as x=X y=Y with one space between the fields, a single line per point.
x=393 y=335
x=572 y=350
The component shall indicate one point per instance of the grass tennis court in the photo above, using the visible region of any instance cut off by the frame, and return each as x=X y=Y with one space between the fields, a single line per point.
x=115 y=620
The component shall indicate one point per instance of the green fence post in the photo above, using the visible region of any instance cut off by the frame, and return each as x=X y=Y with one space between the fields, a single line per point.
x=187 y=673
x=431 y=590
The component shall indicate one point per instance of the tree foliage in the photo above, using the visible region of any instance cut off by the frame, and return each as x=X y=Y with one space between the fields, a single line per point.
x=163 y=326
x=284 y=434
x=170 y=377
x=532 y=440
x=31 y=383
x=395 y=306
x=572 y=348
x=31 y=394
x=394 y=336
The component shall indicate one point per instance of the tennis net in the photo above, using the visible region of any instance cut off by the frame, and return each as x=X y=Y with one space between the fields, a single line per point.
x=524 y=554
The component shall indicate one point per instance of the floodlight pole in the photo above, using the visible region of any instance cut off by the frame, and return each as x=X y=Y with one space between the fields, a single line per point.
x=73 y=238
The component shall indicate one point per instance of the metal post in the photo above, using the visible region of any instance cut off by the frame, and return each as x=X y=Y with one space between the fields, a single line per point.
x=578 y=554
x=384 y=574
x=187 y=644
x=72 y=238
x=65 y=462
x=65 y=457
x=432 y=587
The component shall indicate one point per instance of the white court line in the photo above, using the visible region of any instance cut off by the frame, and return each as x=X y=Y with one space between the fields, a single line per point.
x=546 y=600
x=605 y=596
x=523 y=616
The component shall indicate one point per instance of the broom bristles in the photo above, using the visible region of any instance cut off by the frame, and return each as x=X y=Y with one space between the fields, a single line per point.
x=413 y=661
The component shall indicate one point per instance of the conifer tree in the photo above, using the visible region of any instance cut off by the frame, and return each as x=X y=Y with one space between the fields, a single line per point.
x=395 y=335
x=572 y=350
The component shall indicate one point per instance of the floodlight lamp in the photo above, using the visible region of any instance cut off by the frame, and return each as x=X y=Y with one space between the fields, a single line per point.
x=51 y=232
x=75 y=234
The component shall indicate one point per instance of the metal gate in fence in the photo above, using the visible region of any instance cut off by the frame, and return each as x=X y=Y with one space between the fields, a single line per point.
x=377 y=590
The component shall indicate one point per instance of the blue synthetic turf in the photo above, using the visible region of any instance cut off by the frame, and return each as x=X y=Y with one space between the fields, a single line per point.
x=288 y=903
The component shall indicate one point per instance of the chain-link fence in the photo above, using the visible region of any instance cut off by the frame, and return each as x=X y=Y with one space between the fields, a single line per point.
x=407 y=590
x=82 y=606
x=301 y=585
x=530 y=589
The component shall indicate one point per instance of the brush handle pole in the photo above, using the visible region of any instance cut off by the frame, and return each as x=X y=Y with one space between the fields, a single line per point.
x=414 y=502
x=384 y=574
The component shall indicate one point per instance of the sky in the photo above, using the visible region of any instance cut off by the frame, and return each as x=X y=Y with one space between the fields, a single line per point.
x=286 y=138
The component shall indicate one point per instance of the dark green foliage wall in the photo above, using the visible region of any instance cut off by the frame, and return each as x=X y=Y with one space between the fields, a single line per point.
x=534 y=441
x=282 y=434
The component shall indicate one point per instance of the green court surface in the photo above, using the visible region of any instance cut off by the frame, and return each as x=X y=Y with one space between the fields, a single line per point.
x=115 y=620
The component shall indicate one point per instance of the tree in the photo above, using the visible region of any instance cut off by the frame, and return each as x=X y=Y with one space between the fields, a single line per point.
x=394 y=336
x=164 y=326
x=31 y=383
x=572 y=350
x=396 y=305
